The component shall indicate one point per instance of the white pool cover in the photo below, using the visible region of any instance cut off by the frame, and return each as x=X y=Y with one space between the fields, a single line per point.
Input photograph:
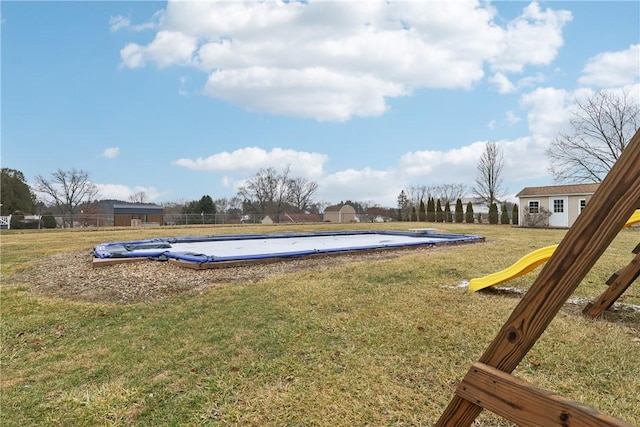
x=262 y=246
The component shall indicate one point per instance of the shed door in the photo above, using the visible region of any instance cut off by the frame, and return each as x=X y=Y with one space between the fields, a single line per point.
x=559 y=207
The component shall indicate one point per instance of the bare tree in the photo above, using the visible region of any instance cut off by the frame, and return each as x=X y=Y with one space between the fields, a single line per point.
x=450 y=192
x=318 y=206
x=229 y=206
x=267 y=191
x=415 y=193
x=139 y=197
x=603 y=125
x=488 y=184
x=301 y=191
x=66 y=190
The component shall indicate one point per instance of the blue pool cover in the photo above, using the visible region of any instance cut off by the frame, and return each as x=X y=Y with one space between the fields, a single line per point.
x=255 y=247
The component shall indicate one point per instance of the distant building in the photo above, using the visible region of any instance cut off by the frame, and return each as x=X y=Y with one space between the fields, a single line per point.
x=340 y=213
x=137 y=215
x=479 y=205
x=480 y=208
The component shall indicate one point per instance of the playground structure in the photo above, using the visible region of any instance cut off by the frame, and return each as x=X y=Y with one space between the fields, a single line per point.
x=489 y=384
x=526 y=264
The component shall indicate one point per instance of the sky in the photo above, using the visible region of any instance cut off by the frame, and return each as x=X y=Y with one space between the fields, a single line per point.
x=182 y=99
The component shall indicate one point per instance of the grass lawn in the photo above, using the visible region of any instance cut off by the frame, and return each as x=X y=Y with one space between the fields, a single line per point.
x=371 y=342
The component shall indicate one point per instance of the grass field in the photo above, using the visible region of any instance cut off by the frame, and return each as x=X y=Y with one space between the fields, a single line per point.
x=377 y=342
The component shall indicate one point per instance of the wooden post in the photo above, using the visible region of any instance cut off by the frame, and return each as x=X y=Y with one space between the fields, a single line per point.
x=598 y=224
x=618 y=283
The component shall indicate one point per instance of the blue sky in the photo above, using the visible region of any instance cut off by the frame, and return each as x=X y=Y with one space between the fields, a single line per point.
x=183 y=99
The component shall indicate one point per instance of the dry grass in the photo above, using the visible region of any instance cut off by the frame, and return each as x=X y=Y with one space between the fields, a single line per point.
x=378 y=341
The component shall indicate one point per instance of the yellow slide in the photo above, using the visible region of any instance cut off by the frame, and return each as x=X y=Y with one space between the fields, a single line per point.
x=526 y=264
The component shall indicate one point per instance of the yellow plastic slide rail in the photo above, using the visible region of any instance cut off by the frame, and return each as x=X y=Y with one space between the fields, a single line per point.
x=526 y=264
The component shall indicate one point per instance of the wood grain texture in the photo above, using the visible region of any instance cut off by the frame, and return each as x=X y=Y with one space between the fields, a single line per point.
x=525 y=404
x=618 y=283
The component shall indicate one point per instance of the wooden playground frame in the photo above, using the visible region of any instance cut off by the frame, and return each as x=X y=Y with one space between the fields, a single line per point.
x=489 y=384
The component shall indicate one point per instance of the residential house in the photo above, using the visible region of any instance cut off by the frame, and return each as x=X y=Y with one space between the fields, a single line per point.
x=480 y=208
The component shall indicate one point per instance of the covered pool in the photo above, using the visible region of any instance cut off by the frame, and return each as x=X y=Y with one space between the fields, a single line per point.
x=221 y=250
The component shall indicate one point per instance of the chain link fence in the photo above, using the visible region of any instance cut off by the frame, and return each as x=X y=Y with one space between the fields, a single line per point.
x=84 y=220
x=100 y=220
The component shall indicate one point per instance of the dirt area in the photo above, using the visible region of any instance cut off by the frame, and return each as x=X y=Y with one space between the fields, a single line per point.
x=628 y=315
x=72 y=275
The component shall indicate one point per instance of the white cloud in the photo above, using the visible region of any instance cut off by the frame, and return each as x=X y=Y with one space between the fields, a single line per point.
x=502 y=83
x=117 y=23
x=439 y=165
x=530 y=81
x=533 y=38
x=525 y=161
x=168 y=48
x=228 y=182
x=132 y=56
x=505 y=85
x=612 y=69
x=252 y=159
x=111 y=152
x=347 y=58
x=314 y=92
x=512 y=118
x=548 y=110
x=362 y=185
x=123 y=192
x=183 y=81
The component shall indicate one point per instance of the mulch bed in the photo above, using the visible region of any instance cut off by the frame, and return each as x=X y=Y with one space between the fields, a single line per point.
x=72 y=275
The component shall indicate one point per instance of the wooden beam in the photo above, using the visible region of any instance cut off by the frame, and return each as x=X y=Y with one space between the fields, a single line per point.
x=618 y=283
x=223 y=264
x=103 y=262
x=525 y=404
x=611 y=206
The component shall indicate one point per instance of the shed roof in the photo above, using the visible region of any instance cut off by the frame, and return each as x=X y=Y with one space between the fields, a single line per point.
x=335 y=208
x=558 y=190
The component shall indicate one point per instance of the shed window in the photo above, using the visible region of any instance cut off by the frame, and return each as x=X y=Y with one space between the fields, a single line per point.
x=534 y=207
x=583 y=204
x=558 y=206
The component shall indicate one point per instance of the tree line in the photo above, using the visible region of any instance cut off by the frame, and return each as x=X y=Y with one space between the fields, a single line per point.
x=437 y=210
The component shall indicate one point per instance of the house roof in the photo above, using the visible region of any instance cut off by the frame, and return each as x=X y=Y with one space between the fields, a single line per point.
x=300 y=217
x=557 y=190
x=473 y=200
x=334 y=208
x=137 y=208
